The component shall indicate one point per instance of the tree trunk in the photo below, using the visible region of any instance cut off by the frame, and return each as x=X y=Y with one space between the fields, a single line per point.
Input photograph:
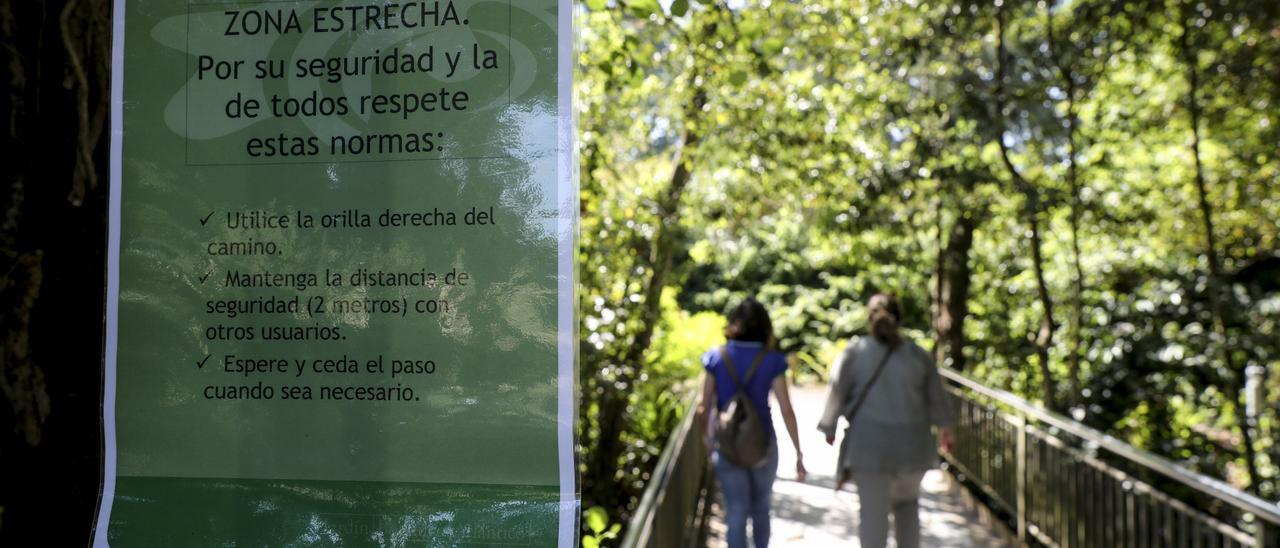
x=1073 y=182
x=1043 y=339
x=664 y=241
x=52 y=242
x=954 y=293
x=614 y=401
x=1077 y=271
x=1073 y=357
x=1217 y=289
x=935 y=293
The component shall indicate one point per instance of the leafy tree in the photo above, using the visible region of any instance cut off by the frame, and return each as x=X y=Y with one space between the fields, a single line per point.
x=1076 y=200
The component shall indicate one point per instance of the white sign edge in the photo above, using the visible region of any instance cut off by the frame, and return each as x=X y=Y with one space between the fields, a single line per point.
x=107 y=495
x=567 y=195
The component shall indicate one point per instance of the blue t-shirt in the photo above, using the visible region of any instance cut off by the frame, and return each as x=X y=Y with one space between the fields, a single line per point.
x=742 y=353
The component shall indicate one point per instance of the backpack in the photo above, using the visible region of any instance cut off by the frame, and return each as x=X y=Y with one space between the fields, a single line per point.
x=742 y=438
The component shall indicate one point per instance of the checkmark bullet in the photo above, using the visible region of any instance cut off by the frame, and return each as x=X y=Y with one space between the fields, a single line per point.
x=200 y=364
x=206 y=276
x=206 y=218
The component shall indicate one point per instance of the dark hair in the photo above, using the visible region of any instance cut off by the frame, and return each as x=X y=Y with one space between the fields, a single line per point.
x=749 y=321
x=884 y=314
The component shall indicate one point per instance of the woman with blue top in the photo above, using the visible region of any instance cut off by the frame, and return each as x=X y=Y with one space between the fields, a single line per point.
x=748 y=361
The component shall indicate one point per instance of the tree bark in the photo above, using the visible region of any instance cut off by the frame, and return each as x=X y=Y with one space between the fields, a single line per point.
x=954 y=289
x=52 y=242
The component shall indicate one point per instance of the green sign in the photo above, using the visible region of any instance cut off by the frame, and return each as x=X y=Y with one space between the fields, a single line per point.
x=340 y=301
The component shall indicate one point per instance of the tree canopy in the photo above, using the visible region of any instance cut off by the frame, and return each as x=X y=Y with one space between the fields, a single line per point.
x=1076 y=200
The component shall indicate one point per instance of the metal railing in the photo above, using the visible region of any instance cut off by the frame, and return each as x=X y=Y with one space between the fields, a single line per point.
x=1064 y=484
x=674 y=509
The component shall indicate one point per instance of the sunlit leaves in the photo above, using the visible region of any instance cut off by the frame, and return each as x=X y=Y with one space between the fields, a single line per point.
x=842 y=140
x=679 y=8
x=643 y=8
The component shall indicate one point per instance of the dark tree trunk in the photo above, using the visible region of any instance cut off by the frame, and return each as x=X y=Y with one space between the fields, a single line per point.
x=1067 y=73
x=954 y=293
x=1077 y=271
x=1043 y=339
x=935 y=292
x=1217 y=283
x=614 y=400
x=52 y=239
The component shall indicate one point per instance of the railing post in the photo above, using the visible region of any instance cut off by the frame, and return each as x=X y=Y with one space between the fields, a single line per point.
x=1020 y=476
x=1264 y=534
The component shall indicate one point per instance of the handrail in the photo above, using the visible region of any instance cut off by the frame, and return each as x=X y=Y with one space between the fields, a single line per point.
x=683 y=460
x=1256 y=506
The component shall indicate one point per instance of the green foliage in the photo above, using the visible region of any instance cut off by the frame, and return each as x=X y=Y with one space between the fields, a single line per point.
x=597 y=521
x=681 y=340
x=840 y=144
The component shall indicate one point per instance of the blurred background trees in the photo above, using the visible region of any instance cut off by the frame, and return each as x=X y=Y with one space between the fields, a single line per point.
x=1077 y=200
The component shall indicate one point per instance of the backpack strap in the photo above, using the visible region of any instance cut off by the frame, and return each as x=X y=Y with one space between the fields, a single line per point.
x=857 y=404
x=733 y=373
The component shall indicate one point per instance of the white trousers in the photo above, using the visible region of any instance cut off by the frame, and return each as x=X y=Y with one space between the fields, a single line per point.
x=880 y=495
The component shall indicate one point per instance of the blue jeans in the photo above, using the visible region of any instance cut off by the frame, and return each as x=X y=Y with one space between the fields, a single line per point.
x=746 y=496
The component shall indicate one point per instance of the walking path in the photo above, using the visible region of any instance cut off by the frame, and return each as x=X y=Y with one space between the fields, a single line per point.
x=810 y=514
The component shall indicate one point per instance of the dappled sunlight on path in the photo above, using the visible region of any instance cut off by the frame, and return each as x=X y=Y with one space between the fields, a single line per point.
x=811 y=514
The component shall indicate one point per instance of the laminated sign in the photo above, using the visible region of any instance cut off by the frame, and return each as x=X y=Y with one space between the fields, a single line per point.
x=340 y=293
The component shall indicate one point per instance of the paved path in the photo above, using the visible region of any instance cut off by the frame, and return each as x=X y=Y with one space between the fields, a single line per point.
x=810 y=514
